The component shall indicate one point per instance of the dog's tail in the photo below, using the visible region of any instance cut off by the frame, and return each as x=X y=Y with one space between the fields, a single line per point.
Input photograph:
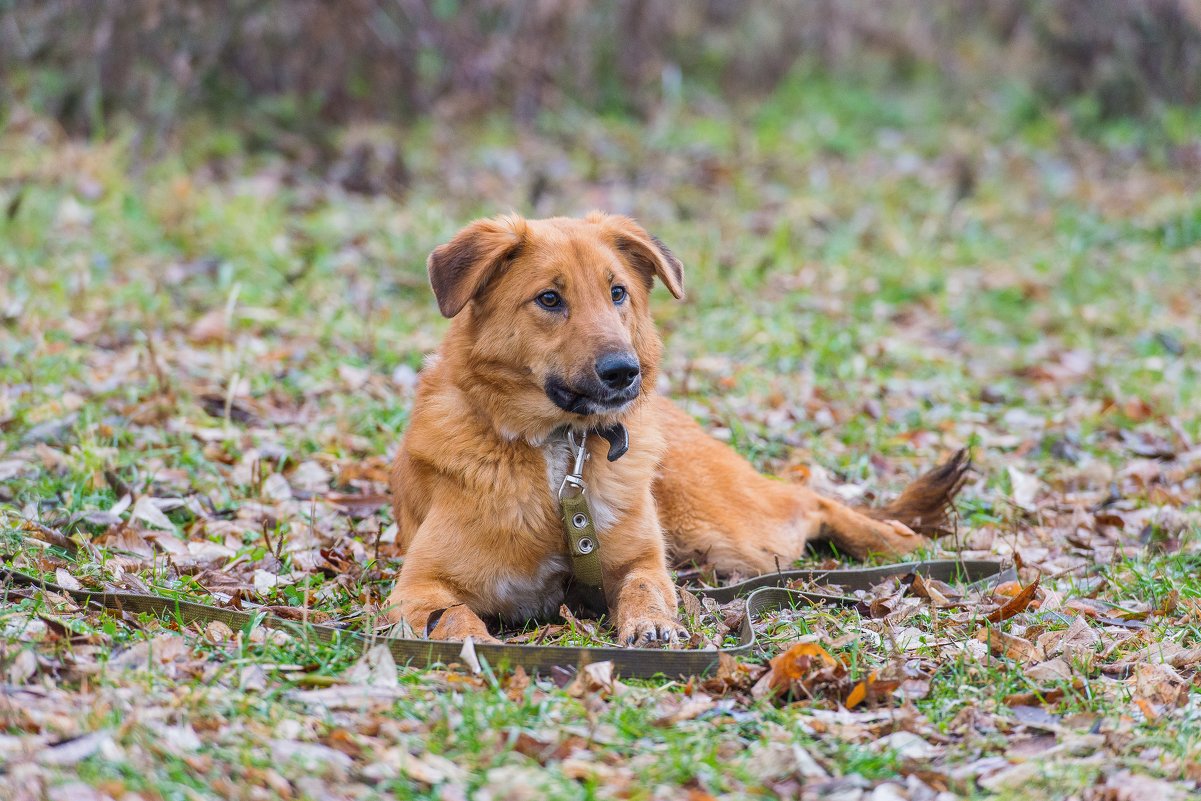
x=928 y=504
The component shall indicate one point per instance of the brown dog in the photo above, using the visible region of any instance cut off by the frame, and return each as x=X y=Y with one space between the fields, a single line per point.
x=552 y=334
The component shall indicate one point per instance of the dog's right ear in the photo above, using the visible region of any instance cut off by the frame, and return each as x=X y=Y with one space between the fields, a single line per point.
x=463 y=266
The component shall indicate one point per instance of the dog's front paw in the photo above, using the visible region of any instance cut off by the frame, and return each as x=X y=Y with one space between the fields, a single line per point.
x=638 y=632
x=458 y=623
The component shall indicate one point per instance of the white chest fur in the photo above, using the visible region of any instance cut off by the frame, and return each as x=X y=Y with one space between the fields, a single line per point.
x=519 y=598
x=558 y=454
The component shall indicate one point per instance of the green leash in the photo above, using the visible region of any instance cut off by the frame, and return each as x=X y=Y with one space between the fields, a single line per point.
x=763 y=594
x=583 y=545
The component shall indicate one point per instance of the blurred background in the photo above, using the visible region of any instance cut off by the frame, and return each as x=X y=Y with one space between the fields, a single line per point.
x=283 y=71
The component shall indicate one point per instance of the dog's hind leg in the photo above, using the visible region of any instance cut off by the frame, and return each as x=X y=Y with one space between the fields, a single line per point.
x=716 y=509
x=924 y=507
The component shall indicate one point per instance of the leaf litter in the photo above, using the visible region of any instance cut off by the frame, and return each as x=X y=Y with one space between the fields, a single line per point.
x=195 y=433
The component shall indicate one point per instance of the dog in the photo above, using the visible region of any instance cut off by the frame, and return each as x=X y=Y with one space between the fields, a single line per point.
x=552 y=338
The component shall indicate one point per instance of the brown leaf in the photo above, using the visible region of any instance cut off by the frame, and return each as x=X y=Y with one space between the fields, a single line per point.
x=796 y=666
x=926 y=588
x=595 y=677
x=297 y=613
x=1033 y=698
x=732 y=675
x=1015 y=605
x=516 y=684
x=65 y=580
x=211 y=327
x=691 y=604
x=575 y=623
x=1127 y=786
x=1007 y=645
x=681 y=707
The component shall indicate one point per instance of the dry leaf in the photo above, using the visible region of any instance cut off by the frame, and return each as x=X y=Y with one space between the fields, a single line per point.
x=691 y=605
x=376 y=668
x=925 y=588
x=65 y=580
x=794 y=669
x=1025 y=488
x=679 y=707
x=469 y=658
x=859 y=692
x=1015 y=605
x=149 y=512
x=1007 y=645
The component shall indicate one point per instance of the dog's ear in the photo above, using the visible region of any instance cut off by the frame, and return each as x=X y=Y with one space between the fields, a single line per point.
x=462 y=267
x=644 y=250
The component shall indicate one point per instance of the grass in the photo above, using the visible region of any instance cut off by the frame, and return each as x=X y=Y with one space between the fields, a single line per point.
x=189 y=328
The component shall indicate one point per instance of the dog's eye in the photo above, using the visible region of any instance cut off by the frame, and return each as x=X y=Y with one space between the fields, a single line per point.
x=551 y=301
x=619 y=294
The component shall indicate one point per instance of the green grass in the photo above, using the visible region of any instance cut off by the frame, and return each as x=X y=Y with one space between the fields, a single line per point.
x=845 y=310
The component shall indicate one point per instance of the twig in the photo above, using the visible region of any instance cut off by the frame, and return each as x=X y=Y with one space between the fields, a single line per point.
x=267 y=537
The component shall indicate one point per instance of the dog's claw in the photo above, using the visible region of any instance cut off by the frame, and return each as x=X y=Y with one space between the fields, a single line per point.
x=648 y=631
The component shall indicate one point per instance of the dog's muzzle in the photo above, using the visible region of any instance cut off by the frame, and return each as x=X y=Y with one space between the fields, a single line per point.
x=595 y=399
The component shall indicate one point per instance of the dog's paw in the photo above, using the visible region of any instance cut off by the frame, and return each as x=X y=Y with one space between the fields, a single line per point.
x=457 y=623
x=639 y=632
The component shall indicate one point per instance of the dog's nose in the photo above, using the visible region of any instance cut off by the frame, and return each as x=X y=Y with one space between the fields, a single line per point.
x=617 y=370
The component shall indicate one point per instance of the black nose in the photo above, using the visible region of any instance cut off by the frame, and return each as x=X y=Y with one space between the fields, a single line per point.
x=617 y=370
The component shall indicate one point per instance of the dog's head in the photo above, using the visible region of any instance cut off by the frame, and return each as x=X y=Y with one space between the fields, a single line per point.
x=555 y=313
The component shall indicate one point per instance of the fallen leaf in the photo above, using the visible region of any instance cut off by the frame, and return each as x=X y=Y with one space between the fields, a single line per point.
x=1127 y=786
x=72 y=752
x=594 y=678
x=376 y=667
x=218 y=632
x=516 y=684
x=22 y=667
x=798 y=668
x=1056 y=669
x=859 y=692
x=65 y=580
x=1007 y=645
x=681 y=707
x=468 y=655
x=1025 y=488
x=1015 y=605
x=691 y=605
x=149 y=512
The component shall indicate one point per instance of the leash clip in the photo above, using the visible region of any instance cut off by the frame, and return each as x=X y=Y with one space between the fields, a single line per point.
x=575 y=476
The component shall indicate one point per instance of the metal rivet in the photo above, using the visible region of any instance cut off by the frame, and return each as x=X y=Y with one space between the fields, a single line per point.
x=579 y=521
x=584 y=545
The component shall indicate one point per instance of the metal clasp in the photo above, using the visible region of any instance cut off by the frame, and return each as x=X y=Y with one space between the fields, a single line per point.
x=575 y=476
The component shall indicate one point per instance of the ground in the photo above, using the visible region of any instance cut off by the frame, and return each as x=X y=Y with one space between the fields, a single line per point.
x=208 y=353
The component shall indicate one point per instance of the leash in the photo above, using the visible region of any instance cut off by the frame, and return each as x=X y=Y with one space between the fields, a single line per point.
x=587 y=585
x=763 y=594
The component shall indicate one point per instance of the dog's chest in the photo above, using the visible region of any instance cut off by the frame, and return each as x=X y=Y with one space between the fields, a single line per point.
x=538 y=593
x=537 y=596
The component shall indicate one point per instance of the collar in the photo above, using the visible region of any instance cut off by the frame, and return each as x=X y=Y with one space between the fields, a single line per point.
x=618 y=438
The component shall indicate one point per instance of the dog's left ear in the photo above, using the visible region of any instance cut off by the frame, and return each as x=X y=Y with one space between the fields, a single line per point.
x=462 y=267
x=644 y=250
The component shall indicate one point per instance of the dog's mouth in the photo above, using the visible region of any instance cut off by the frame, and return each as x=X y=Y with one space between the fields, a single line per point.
x=577 y=400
